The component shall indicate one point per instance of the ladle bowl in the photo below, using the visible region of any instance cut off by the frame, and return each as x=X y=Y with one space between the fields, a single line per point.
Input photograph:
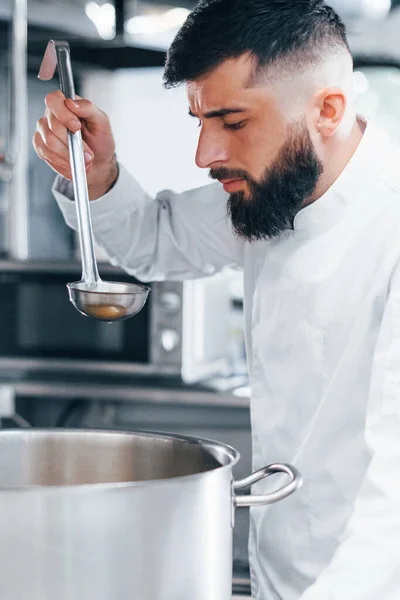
x=108 y=301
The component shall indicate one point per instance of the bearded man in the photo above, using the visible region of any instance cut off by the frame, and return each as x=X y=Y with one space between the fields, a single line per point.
x=306 y=201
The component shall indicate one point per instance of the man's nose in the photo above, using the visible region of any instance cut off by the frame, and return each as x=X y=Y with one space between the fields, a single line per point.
x=210 y=150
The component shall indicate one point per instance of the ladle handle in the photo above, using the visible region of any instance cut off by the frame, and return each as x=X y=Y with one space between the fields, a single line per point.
x=89 y=266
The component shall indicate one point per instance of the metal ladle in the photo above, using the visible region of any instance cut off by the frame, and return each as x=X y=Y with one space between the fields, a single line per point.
x=104 y=300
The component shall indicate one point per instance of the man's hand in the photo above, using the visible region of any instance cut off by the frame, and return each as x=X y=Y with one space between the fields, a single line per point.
x=51 y=140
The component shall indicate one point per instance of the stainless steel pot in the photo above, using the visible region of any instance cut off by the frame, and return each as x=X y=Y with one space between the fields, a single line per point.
x=95 y=515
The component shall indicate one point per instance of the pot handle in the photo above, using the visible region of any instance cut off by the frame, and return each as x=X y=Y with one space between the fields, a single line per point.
x=283 y=492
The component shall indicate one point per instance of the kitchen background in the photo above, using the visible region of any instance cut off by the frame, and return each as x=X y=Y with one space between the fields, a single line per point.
x=179 y=365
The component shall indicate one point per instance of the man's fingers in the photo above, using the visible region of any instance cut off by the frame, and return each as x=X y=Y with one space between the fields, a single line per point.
x=54 y=160
x=48 y=155
x=64 y=116
x=56 y=127
x=66 y=172
x=55 y=102
x=51 y=137
x=95 y=119
x=52 y=141
x=60 y=170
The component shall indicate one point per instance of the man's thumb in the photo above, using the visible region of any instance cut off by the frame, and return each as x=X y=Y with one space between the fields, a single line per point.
x=85 y=109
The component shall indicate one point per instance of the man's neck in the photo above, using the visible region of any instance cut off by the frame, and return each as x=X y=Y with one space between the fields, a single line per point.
x=337 y=159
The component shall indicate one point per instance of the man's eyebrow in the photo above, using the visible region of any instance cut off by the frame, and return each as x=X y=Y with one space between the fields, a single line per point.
x=222 y=112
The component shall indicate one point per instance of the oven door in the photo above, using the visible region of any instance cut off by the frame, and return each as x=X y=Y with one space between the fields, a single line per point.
x=40 y=327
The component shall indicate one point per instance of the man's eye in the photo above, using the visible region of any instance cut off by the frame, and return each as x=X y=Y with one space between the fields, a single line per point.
x=234 y=126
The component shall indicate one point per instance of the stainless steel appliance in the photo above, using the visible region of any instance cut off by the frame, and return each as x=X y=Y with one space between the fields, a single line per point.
x=137 y=403
x=100 y=515
x=31 y=225
x=14 y=162
x=183 y=330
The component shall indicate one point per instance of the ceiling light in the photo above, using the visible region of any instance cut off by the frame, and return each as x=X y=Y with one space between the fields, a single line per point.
x=150 y=24
x=376 y=9
x=362 y=9
x=103 y=16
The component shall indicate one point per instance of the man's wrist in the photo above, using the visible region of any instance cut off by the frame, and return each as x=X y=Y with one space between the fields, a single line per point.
x=112 y=172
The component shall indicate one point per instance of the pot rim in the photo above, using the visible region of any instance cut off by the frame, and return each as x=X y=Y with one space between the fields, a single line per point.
x=209 y=444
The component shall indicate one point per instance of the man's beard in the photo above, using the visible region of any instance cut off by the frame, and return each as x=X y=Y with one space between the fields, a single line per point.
x=275 y=200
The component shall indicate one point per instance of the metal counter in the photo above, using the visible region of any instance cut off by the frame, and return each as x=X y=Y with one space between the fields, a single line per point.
x=34 y=381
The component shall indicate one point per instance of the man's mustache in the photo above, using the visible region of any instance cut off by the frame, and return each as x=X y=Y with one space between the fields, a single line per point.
x=227 y=174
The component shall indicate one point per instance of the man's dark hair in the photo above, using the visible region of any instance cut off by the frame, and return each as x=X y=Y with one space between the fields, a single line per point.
x=291 y=34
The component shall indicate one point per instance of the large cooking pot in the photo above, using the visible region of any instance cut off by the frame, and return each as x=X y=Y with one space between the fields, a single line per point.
x=96 y=515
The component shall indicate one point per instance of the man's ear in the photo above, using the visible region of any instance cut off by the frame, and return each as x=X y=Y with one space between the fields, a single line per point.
x=331 y=106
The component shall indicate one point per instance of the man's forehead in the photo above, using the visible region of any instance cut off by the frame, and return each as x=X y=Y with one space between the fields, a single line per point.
x=232 y=71
x=225 y=83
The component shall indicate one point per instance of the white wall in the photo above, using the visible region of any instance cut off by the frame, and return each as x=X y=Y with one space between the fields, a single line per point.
x=156 y=139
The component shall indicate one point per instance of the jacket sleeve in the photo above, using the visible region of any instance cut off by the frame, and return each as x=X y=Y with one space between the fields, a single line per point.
x=366 y=566
x=173 y=236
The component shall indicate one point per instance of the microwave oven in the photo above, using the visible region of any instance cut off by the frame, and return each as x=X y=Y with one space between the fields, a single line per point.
x=183 y=330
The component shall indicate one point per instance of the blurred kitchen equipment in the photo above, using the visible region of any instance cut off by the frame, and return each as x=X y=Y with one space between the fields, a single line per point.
x=100 y=515
x=107 y=301
x=182 y=331
x=176 y=409
x=8 y=406
x=14 y=163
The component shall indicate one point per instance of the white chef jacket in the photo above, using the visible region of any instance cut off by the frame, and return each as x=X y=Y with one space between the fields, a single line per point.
x=322 y=313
